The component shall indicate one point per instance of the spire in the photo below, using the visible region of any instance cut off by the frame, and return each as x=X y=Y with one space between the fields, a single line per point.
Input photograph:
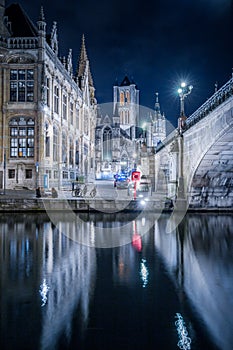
x=157 y=105
x=41 y=21
x=82 y=63
x=41 y=17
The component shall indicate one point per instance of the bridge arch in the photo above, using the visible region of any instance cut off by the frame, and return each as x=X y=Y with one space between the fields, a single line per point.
x=212 y=182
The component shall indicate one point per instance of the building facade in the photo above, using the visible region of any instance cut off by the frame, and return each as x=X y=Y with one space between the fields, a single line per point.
x=116 y=131
x=47 y=113
x=126 y=138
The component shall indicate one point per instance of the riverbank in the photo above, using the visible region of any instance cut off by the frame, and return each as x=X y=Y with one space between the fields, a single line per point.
x=26 y=201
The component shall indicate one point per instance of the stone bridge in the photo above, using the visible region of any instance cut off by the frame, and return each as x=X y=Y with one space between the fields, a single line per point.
x=197 y=163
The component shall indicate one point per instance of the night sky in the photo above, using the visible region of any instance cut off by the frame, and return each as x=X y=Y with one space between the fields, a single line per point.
x=157 y=43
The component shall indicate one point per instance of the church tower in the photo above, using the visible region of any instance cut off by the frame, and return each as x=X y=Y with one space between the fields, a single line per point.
x=126 y=105
x=158 y=124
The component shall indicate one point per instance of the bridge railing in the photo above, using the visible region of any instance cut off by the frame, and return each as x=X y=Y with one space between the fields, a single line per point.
x=213 y=102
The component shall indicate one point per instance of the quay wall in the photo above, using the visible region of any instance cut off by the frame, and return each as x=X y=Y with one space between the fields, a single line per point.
x=90 y=205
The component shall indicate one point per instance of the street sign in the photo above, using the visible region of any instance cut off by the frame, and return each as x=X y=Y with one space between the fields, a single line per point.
x=136 y=176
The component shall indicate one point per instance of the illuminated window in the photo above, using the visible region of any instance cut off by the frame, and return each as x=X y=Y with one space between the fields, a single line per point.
x=107 y=144
x=127 y=96
x=21 y=85
x=122 y=98
x=21 y=137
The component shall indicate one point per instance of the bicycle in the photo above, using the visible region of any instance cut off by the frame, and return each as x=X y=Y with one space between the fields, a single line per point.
x=77 y=192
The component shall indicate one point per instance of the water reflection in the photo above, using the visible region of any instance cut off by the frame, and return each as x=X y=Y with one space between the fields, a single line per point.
x=70 y=271
x=198 y=257
x=75 y=280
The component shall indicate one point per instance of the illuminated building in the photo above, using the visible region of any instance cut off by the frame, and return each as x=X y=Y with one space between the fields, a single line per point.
x=47 y=114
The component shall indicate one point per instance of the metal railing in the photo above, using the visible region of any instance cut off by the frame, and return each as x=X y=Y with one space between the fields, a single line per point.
x=212 y=103
x=219 y=97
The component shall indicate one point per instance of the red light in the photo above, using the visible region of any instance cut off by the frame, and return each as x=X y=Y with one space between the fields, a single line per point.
x=137 y=242
x=136 y=176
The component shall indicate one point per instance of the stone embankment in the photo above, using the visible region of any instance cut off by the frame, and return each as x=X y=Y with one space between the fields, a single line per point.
x=21 y=201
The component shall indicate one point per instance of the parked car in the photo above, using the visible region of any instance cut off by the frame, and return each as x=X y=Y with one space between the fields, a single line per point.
x=143 y=188
x=121 y=181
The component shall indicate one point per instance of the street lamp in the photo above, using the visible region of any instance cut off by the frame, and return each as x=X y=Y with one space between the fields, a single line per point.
x=183 y=91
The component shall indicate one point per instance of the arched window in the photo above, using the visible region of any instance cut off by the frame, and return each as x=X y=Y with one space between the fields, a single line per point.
x=55 y=144
x=107 y=144
x=127 y=96
x=122 y=98
x=21 y=137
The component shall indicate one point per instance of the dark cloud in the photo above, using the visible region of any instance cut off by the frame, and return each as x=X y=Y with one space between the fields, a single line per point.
x=158 y=42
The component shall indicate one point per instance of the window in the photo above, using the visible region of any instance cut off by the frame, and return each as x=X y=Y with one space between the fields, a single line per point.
x=76 y=153
x=107 y=144
x=56 y=99
x=127 y=96
x=64 y=107
x=21 y=137
x=21 y=85
x=64 y=148
x=28 y=173
x=122 y=98
x=71 y=113
x=49 y=173
x=65 y=175
x=47 y=146
x=47 y=88
x=77 y=117
x=71 y=152
x=55 y=144
x=11 y=173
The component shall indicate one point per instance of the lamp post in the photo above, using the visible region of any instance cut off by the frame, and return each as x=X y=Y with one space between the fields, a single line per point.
x=183 y=91
x=181 y=202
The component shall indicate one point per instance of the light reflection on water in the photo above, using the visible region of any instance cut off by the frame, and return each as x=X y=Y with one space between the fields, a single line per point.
x=105 y=298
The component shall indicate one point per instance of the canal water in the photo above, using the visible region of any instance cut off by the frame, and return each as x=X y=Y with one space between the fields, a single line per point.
x=116 y=281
